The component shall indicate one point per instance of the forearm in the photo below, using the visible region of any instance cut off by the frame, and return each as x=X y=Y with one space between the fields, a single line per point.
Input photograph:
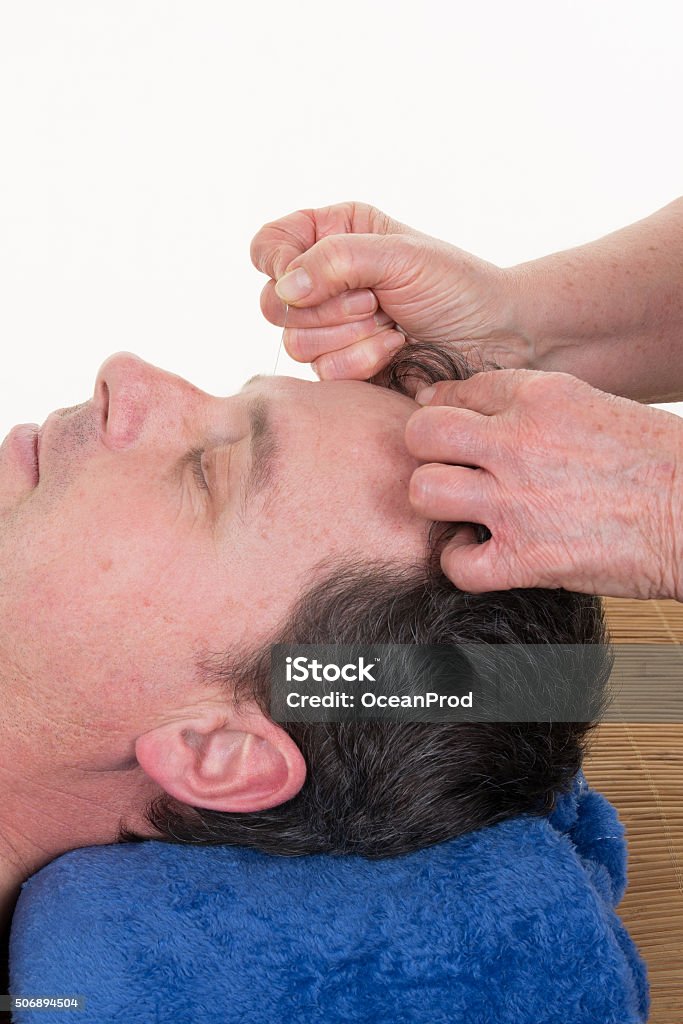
x=610 y=312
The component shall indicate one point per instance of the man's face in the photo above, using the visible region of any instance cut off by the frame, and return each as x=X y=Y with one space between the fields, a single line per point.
x=117 y=567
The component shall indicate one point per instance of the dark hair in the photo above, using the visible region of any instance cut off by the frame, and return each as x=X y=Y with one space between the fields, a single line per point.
x=381 y=788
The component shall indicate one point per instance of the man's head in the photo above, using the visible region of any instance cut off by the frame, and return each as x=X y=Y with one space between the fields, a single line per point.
x=135 y=600
x=119 y=565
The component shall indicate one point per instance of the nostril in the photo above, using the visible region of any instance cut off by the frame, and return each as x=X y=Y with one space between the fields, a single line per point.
x=122 y=396
x=105 y=396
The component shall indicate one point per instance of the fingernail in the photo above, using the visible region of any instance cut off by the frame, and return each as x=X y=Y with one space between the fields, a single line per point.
x=358 y=302
x=425 y=395
x=294 y=286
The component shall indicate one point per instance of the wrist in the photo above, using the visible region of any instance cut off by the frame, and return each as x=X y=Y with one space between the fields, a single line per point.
x=536 y=315
x=504 y=329
x=570 y=327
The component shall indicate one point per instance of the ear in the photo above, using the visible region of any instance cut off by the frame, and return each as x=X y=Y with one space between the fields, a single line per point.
x=223 y=761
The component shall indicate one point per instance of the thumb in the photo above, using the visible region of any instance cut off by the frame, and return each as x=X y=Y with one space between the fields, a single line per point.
x=340 y=263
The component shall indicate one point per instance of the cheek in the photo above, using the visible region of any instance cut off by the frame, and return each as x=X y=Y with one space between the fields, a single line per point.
x=106 y=605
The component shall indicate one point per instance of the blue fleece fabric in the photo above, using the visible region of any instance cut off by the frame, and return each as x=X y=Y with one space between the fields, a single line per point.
x=513 y=924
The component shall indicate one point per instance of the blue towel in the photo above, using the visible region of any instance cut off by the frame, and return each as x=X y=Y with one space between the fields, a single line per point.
x=512 y=924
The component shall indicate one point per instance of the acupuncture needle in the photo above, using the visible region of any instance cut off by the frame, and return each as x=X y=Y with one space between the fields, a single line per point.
x=279 y=348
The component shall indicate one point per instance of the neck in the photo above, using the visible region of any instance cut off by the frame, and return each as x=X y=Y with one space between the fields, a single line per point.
x=46 y=811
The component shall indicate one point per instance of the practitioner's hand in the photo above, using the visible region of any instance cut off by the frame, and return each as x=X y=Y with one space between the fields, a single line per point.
x=580 y=489
x=367 y=274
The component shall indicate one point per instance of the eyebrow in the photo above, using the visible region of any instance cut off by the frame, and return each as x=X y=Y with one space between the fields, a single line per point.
x=264 y=450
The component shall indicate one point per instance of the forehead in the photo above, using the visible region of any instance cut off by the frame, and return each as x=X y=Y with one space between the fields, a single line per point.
x=335 y=403
x=336 y=427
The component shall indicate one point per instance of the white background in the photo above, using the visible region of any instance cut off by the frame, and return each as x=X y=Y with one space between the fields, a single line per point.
x=142 y=144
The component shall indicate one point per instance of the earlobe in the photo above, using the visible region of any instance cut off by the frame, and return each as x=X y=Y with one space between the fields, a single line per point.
x=236 y=763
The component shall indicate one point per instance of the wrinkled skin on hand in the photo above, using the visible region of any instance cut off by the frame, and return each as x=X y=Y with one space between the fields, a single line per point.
x=579 y=488
x=370 y=273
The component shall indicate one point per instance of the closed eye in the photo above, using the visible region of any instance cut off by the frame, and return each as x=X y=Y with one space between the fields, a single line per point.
x=194 y=457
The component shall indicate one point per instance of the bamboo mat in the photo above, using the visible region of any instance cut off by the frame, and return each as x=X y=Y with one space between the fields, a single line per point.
x=639 y=767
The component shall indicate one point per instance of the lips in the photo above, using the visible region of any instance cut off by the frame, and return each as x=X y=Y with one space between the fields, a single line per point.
x=31 y=445
x=22 y=446
x=35 y=452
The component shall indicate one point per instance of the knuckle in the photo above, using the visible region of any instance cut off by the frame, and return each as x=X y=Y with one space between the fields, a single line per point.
x=551 y=381
x=334 y=259
x=380 y=222
x=309 y=343
x=559 y=381
x=362 y=330
x=339 y=364
x=273 y=261
x=405 y=257
x=525 y=382
x=365 y=216
x=353 y=210
x=320 y=316
x=371 y=357
x=348 y=214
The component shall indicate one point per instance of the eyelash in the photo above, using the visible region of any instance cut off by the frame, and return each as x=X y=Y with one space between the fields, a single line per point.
x=195 y=458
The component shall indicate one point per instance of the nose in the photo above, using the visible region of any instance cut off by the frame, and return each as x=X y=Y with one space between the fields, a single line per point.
x=131 y=394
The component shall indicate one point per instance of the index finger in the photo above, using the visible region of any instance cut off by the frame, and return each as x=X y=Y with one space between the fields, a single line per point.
x=276 y=244
x=279 y=242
